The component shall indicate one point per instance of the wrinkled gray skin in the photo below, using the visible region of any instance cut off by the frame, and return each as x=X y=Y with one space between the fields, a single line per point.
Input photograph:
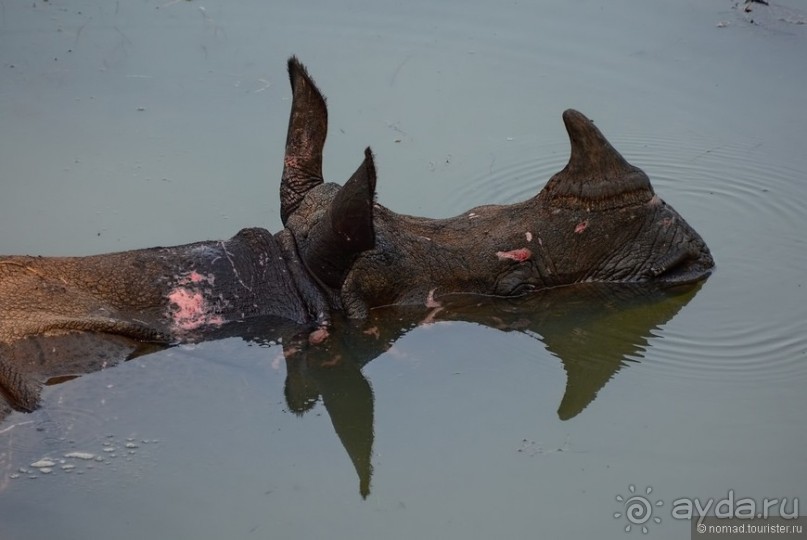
x=598 y=220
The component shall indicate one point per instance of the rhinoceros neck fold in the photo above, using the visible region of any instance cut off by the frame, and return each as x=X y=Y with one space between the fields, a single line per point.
x=253 y=274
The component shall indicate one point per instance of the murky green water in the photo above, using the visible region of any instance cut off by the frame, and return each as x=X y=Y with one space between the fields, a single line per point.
x=131 y=124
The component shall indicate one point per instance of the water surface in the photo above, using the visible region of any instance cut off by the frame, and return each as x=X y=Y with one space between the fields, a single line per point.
x=133 y=124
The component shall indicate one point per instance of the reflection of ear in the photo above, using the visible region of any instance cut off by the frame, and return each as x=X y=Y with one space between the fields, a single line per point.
x=300 y=390
x=346 y=394
x=348 y=398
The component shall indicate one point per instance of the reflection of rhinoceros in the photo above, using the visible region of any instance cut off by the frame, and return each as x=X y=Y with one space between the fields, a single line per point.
x=595 y=330
x=598 y=220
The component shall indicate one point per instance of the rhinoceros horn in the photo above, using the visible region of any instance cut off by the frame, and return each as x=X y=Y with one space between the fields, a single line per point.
x=346 y=230
x=597 y=177
x=308 y=126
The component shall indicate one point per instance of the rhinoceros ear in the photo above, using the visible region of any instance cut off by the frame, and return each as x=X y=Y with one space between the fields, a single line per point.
x=346 y=230
x=597 y=177
x=308 y=126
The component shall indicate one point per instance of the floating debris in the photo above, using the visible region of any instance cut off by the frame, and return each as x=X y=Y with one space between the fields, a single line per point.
x=86 y=456
x=111 y=448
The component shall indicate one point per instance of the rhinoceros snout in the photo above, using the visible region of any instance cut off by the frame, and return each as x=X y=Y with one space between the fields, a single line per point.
x=687 y=262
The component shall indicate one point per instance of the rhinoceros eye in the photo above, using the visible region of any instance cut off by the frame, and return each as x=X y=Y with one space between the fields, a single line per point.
x=522 y=289
x=517 y=280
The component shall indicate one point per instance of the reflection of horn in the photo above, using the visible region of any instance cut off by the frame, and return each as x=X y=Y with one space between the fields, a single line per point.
x=308 y=126
x=595 y=329
x=597 y=177
x=594 y=343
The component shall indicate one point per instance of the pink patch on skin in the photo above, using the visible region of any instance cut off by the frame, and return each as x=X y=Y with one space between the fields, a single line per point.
x=431 y=302
x=191 y=310
x=431 y=316
x=520 y=255
x=318 y=336
x=581 y=227
x=372 y=332
x=195 y=277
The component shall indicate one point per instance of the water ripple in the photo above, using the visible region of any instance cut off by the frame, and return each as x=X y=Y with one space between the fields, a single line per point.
x=512 y=182
x=54 y=427
x=770 y=354
x=751 y=211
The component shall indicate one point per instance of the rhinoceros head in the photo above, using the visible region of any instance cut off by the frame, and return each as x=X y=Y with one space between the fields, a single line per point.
x=597 y=220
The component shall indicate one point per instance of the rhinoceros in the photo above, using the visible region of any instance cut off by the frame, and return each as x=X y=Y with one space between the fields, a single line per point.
x=339 y=254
